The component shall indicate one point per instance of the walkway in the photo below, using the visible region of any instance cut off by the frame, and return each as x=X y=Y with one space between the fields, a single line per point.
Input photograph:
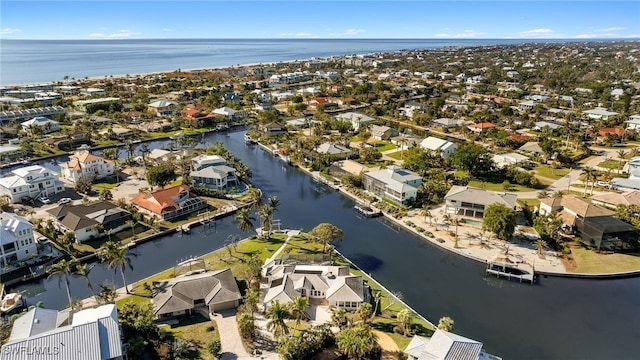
x=232 y=347
x=389 y=347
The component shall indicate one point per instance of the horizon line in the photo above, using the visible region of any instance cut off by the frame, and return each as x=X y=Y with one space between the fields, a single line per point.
x=335 y=38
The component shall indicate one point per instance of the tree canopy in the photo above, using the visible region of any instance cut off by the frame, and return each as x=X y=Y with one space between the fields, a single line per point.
x=325 y=233
x=474 y=158
x=161 y=175
x=500 y=220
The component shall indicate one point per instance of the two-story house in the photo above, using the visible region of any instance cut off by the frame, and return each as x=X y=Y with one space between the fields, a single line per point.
x=212 y=172
x=16 y=238
x=83 y=220
x=46 y=125
x=169 y=203
x=85 y=165
x=30 y=182
x=394 y=183
x=472 y=202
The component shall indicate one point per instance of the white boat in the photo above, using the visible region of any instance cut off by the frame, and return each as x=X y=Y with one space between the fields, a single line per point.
x=10 y=302
x=248 y=139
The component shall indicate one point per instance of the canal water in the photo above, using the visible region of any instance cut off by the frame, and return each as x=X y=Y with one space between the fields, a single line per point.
x=556 y=318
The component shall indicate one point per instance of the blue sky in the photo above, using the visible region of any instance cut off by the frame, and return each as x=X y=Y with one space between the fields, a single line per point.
x=118 y=19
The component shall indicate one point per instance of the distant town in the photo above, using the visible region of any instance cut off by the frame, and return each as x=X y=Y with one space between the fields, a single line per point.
x=523 y=157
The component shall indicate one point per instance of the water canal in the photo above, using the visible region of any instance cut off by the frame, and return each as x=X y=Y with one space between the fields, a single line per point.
x=557 y=318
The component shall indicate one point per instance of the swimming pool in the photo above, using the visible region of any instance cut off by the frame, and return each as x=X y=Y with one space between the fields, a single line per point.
x=472 y=222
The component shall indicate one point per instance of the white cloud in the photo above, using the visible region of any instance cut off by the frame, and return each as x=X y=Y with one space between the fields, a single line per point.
x=167 y=30
x=539 y=33
x=442 y=35
x=353 y=31
x=6 y=31
x=610 y=29
x=610 y=32
x=464 y=34
x=303 y=34
x=117 y=35
x=298 y=34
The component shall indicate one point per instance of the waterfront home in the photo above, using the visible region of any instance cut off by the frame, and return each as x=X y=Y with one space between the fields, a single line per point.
x=169 y=203
x=153 y=126
x=163 y=107
x=162 y=156
x=30 y=183
x=229 y=114
x=273 y=129
x=481 y=128
x=45 y=125
x=330 y=285
x=209 y=291
x=355 y=118
x=599 y=113
x=539 y=125
x=84 y=165
x=595 y=225
x=83 y=220
x=379 y=132
x=9 y=152
x=449 y=123
x=334 y=151
x=442 y=147
x=213 y=172
x=16 y=239
x=393 y=183
x=471 y=202
x=444 y=345
x=89 y=334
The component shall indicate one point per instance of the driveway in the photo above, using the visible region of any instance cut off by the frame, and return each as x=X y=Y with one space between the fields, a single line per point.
x=230 y=339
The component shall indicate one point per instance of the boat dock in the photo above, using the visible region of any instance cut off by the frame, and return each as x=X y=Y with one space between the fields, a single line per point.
x=511 y=271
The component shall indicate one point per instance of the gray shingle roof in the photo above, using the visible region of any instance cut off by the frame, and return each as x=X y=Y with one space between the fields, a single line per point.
x=479 y=196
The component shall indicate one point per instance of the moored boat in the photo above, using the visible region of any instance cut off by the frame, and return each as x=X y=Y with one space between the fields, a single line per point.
x=10 y=302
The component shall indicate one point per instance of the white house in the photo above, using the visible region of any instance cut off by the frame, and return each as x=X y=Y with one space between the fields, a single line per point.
x=599 y=113
x=355 y=118
x=507 y=159
x=229 y=113
x=471 y=202
x=45 y=124
x=16 y=238
x=202 y=161
x=85 y=165
x=394 y=183
x=89 y=334
x=443 y=147
x=30 y=182
x=216 y=177
x=444 y=345
x=633 y=122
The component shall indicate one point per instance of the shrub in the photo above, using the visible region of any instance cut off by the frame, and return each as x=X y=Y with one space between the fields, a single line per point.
x=566 y=250
x=214 y=347
x=398 y=330
x=440 y=240
x=410 y=223
x=429 y=234
x=210 y=328
x=421 y=230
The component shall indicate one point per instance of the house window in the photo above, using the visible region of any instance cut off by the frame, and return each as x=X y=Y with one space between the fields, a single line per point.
x=29 y=177
x=48 y=182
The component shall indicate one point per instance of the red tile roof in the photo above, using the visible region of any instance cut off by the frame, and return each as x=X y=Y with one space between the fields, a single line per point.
x=484 y=125
x=611 y=131
x=159 y=201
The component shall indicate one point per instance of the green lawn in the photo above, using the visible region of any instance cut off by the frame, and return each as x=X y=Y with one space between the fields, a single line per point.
x=613 y=164
x=498 y=186
x=396 y=155
x=199 y=332
x=550 y=172
x=383 y=145
x=533 y=203
x=588 y=261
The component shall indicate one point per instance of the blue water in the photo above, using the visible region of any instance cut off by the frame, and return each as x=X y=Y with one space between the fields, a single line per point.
x=32 y=61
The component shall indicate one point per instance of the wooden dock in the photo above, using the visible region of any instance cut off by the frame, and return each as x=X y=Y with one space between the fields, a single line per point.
x=510 y=272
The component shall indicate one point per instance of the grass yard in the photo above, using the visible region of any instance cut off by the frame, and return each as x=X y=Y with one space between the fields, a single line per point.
x=383 y=146
x=588 y=261
x=613 y=164
x=199 y=331
x=533 y=203
x=397 y=155
x=550 y=172
x=498 y=186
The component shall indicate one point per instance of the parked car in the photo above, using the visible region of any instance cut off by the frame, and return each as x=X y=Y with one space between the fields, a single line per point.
x=602 y=183
x=45 y=200
x=42 y=240
x=64 y=201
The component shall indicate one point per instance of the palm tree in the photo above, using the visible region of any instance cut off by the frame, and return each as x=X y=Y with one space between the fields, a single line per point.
x=132 y=223
x=357 y=342
x=274 y=203
x=63 y=269
x=84 y=270
x=588 y=172
x=298 y=308
x=244 y=219
x=447 y=219
x=426 y=213
x=404 y=317
x=445 y=323
x=255 y=197
x=621 y=156
x=277 y=314
x=266 y=216
x=540 y=246
x=377 y=297
x=116 y=257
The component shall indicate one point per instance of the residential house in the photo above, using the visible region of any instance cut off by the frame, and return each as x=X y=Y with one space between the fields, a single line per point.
x=599 y=113
x=613 y=199
x=161 y=156
x=472 y=202
x=633 y=122
x=232 y=97
x=444 y=345
x=84 y=105
x=83 y=165
x=29 y=183
x=335 y=151
x=16 y=239
x=210 y=291
x=46 y=125
x=153 y=126
x=83 y=220
x=606 y=132
x=394 y=183
x=379 y=132
x=508 y=159
x=212 y=172
x=163 y=107
x=273 y=129
x=539 y=125
x=595 y=225
x=532 y=147
x=481 y=128
x=169 y=203
x=632 y=167
x=331 y=284
x=410 y=108
x=355 y=118
x=89 y=334
x=22 y=114
x=443 y=147
x=10 y=152
x=229 y=114
x=449 y=123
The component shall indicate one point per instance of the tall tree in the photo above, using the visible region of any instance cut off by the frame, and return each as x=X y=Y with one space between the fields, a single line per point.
x=298 y=308
x=474 y=158
x=266 y=217
x=589 y=174
x=277 y=314
x=445 y=324
x=84 y=270
x=500 y=220
x=63 y=269
x=326 y=233
x=117 y=258
x=357 y=342
x=161 y=175
x=244 y=219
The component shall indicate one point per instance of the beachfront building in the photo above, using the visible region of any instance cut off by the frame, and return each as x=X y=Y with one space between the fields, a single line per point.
x=393 y=183
x=169 y=203
x=89 y=221
x=16 y=239
x=45 y=125
x=213 y=172
x=595 y=225
x=163 y=107
x=355 y=118
x=88 y=104
x=444 y=345
x=86 y=166
x=30 y=183
x=472 y=202
x=207 y=292
x=331 y=285
x=443 y=147
x=89 y=334
x=334 y=151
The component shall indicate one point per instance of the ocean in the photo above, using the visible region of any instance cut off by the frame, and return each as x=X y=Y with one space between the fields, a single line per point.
x=40 y=61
